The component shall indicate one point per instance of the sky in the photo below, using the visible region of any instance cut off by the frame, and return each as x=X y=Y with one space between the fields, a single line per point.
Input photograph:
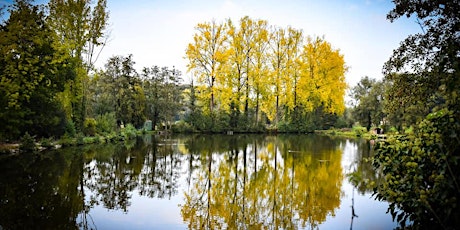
x=157 y=32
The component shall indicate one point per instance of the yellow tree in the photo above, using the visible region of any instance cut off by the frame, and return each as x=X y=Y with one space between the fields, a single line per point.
x=277 y=58
x=235 y=76
x=292 y=71
x=248 y=35
x=207 y=56
x=322 y=82
x=259 y=67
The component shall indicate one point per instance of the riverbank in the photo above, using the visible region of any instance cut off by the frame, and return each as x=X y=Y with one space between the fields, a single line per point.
x=350 y=133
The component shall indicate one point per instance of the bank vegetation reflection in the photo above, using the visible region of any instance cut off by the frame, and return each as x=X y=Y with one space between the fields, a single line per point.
x=266 y=182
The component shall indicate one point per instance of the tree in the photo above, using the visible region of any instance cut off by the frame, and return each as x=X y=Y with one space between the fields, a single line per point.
x=31 y=74
x=248 y=69
x=127 y=90
x=368 y=95
x=207 y=57
x=422 y=168
x=259 y=64
x=80 y=28
x=278 y=64
x=163 y=96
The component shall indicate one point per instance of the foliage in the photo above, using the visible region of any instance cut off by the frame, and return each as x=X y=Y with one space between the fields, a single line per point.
x=89 y=126
x=369 y=97
x=27 y=143
x=106 y=123
x=129 y=132
x=421 y=168
x=182 y=127
x=47 y=143
x=250 y=73
x=80 y=139
x=29 y=76
x=359 y=130
x=162 y=93
x=81 y=29
x=70 y=129
x=422 y=173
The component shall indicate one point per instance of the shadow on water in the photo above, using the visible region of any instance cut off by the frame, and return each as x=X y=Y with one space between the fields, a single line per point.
x=218 y=181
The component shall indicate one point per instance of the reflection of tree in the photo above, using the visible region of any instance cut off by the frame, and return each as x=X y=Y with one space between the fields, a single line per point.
x=37 y=194
x=57 y=189
x=159 y=177
x=280 y=182
x=363 y=175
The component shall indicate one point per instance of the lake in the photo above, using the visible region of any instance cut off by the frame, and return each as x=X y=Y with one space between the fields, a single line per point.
x=194 y=182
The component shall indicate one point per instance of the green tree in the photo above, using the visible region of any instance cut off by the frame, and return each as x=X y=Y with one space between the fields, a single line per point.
x=127 y=89
x=80 y=28
x=368 y=95
x=162 y=92
x=31 y=74
x=422 y=169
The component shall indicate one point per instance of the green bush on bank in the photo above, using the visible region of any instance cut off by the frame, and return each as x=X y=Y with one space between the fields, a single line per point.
x=422 y=173
x=27 y=143
x=89 y=126
x=359 y=130
x=129 y=132
x=182 y=127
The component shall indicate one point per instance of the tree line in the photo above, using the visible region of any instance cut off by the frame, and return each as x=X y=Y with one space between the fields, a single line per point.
x=248 y=76
x=49 y=85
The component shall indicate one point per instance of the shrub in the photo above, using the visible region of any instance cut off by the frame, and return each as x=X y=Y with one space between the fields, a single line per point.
x=27 y=143
x=47 y=143
x=359 y=130
x=129 y=132
x=89 y=126
x=422 y=171
x=70 y=129
x=66 y=140
x=106 y=123
x=80 y=139
x=182 y=127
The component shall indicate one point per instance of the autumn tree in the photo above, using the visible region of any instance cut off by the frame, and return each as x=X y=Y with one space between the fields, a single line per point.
x=207 y=57
x=274 y=73
x=277 y=59
x=259 y=65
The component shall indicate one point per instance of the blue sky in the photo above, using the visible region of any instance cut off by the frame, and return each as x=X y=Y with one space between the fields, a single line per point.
x=157 y=32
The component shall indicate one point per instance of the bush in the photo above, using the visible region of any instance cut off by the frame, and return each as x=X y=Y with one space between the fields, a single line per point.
x=182 y=127
x=80 y=139
x=129 y=132
x=422 y=171
x=70 y=129
x=89 y=126
x=359 y=130
x=27 y=143
x=106 y=123
x=47 y=143
x=66 y=140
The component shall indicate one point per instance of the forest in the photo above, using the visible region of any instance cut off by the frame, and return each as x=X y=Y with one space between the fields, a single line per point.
x=246 y=76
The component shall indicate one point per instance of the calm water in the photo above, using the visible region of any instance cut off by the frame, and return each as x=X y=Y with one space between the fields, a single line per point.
x=195 y=182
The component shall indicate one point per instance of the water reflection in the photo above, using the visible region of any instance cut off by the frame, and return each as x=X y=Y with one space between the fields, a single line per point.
x=277 y=182
x=232 y=182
